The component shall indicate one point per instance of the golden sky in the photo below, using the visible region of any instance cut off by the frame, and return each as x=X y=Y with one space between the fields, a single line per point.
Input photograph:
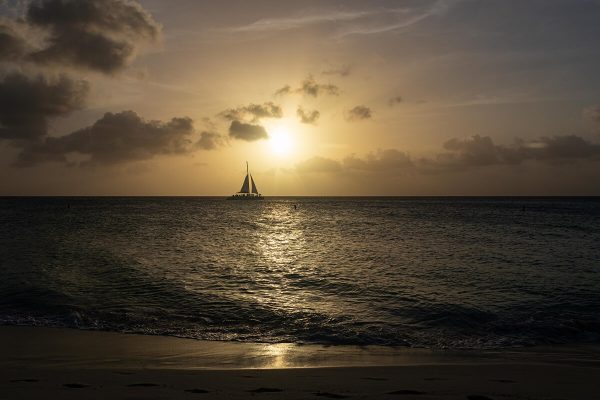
x=446 y=97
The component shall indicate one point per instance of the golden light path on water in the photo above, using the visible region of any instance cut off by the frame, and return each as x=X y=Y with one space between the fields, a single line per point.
x=281 y=244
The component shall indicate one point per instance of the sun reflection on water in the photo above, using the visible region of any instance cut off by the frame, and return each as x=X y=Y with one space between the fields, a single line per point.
x=281 y=244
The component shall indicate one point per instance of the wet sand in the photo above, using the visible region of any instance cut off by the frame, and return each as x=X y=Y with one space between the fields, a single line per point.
x=69 y=364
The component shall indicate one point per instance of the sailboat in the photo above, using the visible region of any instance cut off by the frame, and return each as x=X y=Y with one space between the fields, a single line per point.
x=245 y=193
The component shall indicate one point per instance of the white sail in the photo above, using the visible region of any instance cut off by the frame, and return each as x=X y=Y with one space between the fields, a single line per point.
x=245 y=187
x=254 y=190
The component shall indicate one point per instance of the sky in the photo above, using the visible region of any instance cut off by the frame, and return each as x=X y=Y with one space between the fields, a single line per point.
x=323 y=97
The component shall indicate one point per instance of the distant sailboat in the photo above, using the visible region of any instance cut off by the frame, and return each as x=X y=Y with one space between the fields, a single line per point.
x=245 y=193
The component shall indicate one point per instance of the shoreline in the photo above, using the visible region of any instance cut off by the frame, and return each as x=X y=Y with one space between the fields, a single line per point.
x=68 y=364
x=64 y=347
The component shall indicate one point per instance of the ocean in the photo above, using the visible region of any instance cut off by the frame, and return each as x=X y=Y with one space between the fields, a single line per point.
x=447 y=273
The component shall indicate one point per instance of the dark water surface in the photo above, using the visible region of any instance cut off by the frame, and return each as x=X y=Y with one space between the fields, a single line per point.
x=434 y=272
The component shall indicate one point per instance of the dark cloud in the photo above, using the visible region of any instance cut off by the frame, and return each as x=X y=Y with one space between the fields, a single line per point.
x=247 y=132
x=209 y=140
x=310 y=87
x=473 y=151
x=480 y=151
x=318 y=164
x=100 y=35
x=308 y=117
x=465 y=154
x=359 y=113
x=115 y=138
x=11 y=45
x=592 y=113
x=561 y=148
x=344 y=70
x=287 y=89
x=27 y=104
x=395 y=100
x=253 y=112
x=390 y=159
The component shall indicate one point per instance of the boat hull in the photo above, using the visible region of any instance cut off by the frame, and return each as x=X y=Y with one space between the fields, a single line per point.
x=246 y=198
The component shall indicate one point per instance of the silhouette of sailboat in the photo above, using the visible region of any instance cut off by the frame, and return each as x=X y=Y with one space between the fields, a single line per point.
x=245 y=193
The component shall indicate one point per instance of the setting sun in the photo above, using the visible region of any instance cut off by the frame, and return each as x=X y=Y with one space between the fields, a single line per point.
x=280 y=140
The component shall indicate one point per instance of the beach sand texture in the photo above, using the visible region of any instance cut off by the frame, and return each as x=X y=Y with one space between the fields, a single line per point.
x=45 y=363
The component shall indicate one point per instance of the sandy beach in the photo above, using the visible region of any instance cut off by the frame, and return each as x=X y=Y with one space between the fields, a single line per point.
x=70 y=364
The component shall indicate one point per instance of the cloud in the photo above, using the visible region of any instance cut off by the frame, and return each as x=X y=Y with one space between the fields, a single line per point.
x=311 y=88
x=99 y=35
x=247 y=132
x=399 y=19
x=12 y=46
x=281 y=24
x=27 y=104
x=359 y=113
x=318 y=164
x=562 y=148
x=592 y=113
x=353 y=22
x=464 y=154
x=344 y=70
x=114 y=138
x=209 y=141
x=473 y=151
x=382 y=160
x=287 y=89
x=308 y=117
x=395 y=100
x=253 y=112
x=481 y=151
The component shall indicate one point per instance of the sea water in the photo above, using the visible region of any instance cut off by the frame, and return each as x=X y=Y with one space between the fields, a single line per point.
x=426 y=272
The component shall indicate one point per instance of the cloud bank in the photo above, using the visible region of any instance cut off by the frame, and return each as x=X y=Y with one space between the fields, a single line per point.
x=60 y=41
x=27 y=104
x=464 y=154
x=99 y=35
x=114 y=138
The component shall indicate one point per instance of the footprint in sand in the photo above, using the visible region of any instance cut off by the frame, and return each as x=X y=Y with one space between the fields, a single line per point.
x=503 y=380
x=76 y=385
x=143 y=385
x=197 y=391
x=406 y=392
x=375 y=379
x=265 y=390
x=28 y=380
x=330 y=395
x=478 y=397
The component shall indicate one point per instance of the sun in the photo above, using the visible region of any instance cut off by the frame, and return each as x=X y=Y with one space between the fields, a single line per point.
x=280 y=140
